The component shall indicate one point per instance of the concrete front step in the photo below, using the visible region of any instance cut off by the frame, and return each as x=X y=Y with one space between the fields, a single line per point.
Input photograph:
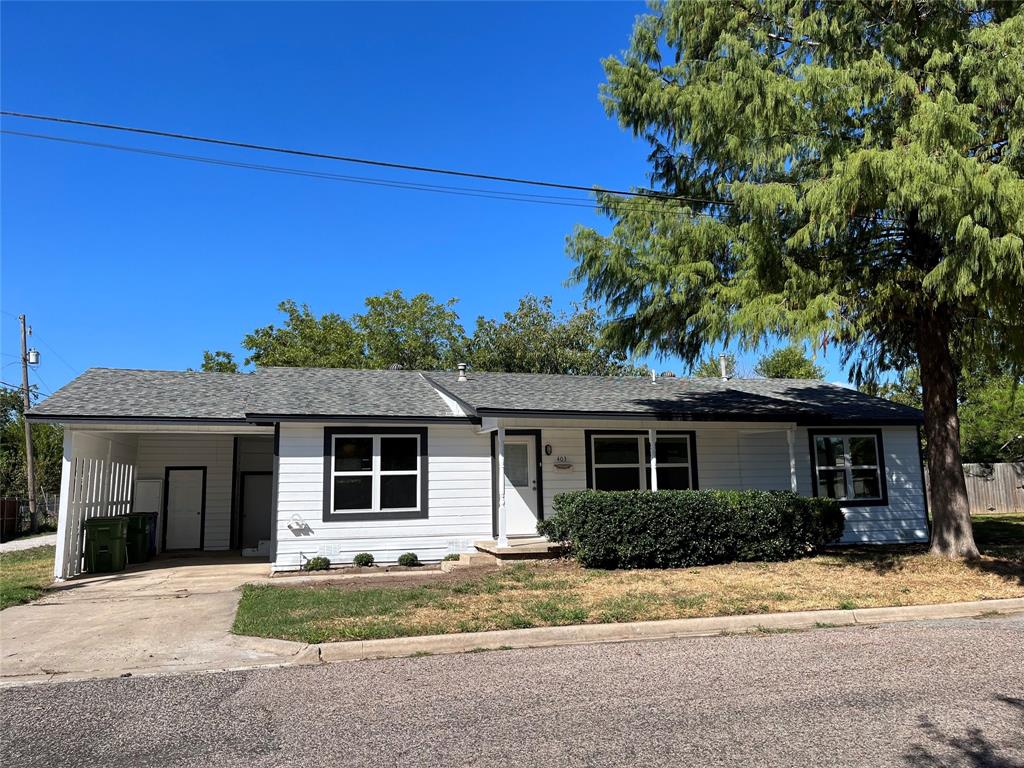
x=533 y=548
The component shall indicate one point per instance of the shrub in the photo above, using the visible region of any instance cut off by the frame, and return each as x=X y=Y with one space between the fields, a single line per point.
x=317 y=564
x=409 y=559
x=452 y=556
x=363 y=559
x=678 y=529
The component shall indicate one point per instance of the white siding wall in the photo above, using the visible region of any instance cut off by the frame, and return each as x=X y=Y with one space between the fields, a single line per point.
x=729 y=456
x=459 y=501
x=754 y=456
x=905 y=518
x=158 y=451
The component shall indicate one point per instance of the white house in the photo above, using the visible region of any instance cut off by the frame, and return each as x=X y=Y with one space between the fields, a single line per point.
x=300 y=462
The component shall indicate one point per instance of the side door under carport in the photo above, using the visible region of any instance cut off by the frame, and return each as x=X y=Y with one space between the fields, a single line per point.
x=255 y=505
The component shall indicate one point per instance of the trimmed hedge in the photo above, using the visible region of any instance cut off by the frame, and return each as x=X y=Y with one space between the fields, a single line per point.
x=679 y=529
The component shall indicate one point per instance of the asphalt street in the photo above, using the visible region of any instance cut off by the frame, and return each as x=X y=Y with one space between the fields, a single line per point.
x=945 y=693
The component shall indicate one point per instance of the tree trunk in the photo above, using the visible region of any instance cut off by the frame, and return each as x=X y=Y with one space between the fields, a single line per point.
x=952 y=534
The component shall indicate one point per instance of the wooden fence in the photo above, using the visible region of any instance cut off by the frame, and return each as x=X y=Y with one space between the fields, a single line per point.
x=995 y=488
x=14 y=517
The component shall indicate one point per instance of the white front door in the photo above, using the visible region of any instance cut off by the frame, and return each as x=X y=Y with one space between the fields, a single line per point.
x=521 y=485
x=184 y=508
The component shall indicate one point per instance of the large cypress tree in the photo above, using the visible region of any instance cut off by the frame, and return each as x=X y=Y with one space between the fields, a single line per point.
x=846 y=172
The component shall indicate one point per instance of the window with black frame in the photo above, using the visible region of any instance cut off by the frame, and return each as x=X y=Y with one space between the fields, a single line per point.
x=623 y=462
x=848 y=467
x=375 y=473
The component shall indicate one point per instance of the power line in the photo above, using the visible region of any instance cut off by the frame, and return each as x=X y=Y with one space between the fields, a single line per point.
x=56 y=353
x=43 y=382
x=356 y=160
x=494 y=194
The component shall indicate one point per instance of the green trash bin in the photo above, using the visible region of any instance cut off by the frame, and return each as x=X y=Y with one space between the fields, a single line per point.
x=139 y=533
x=105 y=544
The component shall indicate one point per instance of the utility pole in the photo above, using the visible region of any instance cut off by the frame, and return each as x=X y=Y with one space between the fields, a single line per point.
x=30 y=463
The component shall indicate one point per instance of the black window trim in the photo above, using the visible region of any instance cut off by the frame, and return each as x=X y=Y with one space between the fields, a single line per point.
x=331 y=516
x=588 y=434
x=850 y=432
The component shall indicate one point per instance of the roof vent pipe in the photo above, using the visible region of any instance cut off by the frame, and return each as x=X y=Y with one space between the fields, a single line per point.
x=723 y=367
x=462 y=371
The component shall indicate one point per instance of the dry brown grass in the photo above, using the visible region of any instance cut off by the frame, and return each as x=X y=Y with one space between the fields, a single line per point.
x=559 y=592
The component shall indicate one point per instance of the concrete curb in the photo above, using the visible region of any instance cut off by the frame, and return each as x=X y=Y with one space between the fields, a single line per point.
x=295 y=654
x=542 y=637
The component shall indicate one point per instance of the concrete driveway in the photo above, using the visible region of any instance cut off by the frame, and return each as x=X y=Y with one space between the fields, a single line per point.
x=174 y=615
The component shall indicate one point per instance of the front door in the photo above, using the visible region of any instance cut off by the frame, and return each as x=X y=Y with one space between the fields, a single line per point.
x=184 y=508
x=521 y=485
x=256 y=503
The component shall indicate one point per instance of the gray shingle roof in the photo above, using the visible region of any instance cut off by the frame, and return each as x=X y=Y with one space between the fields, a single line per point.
x=118 y=393
x=696 y=399
x=344 y=392
x=107 y=393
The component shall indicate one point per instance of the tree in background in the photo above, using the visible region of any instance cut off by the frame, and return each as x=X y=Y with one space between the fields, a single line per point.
x=48 y=444
x=219 y=362
x=423 y=334
x=328 y=341
x=788 y=363
x=418 y=333
x=991 y=412
x=846 y=173
x=711 y=367
x=535 y=339
x=992 y=419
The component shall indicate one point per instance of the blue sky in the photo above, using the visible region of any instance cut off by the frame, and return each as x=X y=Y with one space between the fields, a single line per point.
x=138 y=261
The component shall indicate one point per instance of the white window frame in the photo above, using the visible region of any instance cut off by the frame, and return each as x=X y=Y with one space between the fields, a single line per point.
x=644 y=463
x=848 y=468
x=376 y=472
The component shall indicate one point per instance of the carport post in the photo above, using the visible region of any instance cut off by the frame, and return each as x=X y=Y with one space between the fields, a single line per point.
x=63 y=509
x=502 y=508
x=791 y=439
x=652 y=436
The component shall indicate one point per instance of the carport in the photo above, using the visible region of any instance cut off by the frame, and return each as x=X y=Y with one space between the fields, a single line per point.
x=176 y=444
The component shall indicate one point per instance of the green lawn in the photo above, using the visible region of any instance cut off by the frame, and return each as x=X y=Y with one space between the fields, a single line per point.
x=998 y=529
x=553 y=593
x=24 y=574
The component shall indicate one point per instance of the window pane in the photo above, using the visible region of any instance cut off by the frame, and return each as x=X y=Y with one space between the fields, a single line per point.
x=863 y=451
x=673 y=478
x=673 y=450
x=397 y=453
x=517 y=468
x=353 y=492
x=865 y=484
x=353 y=454
x=830 y=451
x=616 y=450
x=618 y=479
x=398 y=491
x=832 y=483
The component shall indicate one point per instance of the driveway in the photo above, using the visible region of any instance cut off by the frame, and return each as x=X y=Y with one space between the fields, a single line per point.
x=930 y=694
x=174 y=615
